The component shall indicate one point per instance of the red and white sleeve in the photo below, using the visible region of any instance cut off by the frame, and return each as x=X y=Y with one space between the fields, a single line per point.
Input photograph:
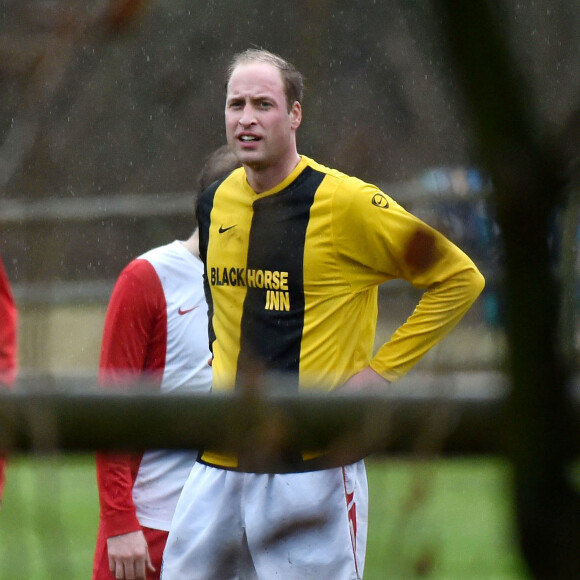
x=132 y=349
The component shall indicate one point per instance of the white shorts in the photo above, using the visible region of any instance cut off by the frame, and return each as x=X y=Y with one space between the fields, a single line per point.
x=230 y=525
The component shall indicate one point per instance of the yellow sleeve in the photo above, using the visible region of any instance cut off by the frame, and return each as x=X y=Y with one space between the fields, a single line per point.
x=381 y=241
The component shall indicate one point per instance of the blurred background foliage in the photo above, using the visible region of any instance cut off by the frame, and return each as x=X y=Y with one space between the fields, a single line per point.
x=123 y=100
x=108 y=97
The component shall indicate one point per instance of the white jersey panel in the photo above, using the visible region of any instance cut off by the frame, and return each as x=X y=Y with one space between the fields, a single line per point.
x=162 y=473
x=181 y=276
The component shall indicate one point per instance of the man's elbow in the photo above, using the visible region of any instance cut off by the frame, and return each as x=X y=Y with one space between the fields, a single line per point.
x=476 y=282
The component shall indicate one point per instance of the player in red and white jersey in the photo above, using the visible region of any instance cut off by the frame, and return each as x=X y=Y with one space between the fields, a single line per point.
x=8 y=346
x=155 y=333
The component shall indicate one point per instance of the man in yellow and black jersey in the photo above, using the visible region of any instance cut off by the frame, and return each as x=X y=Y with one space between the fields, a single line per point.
x=294 y=253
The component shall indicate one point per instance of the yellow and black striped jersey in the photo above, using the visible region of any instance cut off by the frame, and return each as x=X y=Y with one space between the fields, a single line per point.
x=292 y=275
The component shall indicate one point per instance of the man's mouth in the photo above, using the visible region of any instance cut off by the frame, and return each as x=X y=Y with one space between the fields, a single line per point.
x=248 y=138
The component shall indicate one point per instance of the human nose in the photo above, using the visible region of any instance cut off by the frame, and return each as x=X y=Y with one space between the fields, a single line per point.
x=247 y=117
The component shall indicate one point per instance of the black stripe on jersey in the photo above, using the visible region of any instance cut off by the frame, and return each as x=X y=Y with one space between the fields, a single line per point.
x=271 y=338
x=203 y=213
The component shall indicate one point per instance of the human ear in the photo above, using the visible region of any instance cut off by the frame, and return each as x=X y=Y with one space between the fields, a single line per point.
x=295 y=115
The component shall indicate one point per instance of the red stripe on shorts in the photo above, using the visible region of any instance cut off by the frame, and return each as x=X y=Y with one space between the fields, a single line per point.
x=351 y=514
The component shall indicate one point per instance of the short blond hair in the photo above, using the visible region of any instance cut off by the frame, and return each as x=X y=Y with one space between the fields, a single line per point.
x=291 y=77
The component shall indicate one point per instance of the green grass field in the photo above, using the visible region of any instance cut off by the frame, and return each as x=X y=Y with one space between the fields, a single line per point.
x=445 y=519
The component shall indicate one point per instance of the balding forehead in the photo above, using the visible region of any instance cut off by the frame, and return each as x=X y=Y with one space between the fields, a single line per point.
x=255 y=78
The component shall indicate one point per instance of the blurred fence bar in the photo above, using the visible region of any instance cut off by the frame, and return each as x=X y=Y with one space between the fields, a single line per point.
x=416 y=422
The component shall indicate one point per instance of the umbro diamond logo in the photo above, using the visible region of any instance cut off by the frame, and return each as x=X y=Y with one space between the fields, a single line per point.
x=223 y=230
x=182 y=312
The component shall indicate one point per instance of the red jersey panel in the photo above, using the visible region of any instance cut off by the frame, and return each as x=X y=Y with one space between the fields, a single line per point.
x=8 y=320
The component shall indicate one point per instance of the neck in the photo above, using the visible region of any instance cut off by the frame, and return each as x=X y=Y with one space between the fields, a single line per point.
x=192 y=243
x=265 y=178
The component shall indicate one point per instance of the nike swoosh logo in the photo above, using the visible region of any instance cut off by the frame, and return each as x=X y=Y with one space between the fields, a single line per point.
x=182 y=312
x=222 y=229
